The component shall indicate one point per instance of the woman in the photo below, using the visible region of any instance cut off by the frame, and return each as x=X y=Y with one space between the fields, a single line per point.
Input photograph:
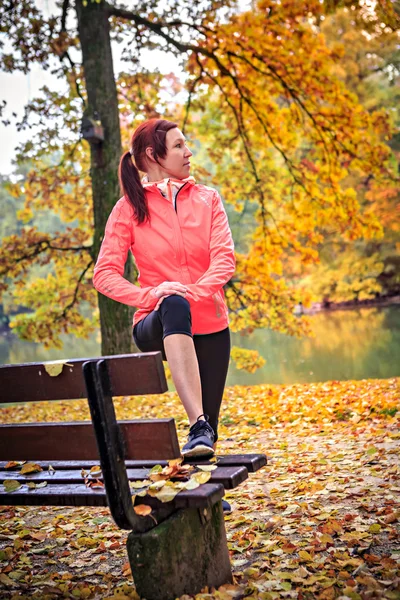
x=179 y=235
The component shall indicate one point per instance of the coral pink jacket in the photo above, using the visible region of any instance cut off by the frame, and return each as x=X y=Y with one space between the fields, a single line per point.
x=192 y=244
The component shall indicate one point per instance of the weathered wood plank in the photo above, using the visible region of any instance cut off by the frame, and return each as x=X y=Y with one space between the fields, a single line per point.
x=252 y=462
x=229 y=477
x=79 y=495
x=130 y=374
x=145 y=438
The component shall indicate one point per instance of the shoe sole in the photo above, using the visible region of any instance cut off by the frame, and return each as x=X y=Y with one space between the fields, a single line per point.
x=199 y=451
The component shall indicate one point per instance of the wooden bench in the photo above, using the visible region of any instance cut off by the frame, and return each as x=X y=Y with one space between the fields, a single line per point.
x=181 y=547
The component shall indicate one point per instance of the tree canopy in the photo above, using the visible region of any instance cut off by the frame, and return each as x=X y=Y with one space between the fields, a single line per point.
x=279 y=120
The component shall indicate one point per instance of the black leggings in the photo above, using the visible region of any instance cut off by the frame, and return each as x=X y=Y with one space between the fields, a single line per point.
x=212 y=350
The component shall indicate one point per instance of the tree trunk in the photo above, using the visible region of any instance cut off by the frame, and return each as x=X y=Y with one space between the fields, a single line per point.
x=94 y=34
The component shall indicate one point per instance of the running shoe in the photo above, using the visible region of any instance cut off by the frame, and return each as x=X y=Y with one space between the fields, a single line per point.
x=200 y=440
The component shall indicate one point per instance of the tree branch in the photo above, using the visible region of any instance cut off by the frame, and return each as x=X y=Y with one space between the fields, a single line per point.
x=45 y=245
x=158 y=29
x=75 y=297
x=128 y=15
x=65 y=7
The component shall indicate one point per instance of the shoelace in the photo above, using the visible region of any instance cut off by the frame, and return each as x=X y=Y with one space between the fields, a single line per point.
x=198 y=429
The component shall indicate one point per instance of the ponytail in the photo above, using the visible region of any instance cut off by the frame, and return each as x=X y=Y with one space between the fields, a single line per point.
x=132 y=188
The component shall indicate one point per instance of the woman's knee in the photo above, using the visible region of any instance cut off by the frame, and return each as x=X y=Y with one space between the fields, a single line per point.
x=175 y=315
x=175 y=302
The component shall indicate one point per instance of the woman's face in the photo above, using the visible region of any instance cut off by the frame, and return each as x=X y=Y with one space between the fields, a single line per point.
x=176 y=163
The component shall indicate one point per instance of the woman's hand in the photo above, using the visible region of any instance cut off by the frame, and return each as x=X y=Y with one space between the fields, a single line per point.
x=168 y=288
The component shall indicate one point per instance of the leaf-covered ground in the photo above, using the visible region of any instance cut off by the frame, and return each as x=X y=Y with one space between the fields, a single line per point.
x=320 y=521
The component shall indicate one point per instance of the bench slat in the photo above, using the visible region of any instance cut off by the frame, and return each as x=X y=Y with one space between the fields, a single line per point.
x=145 y=438
x=79 y=495
x=252 y=462
x=230 y=477
x=130 y=374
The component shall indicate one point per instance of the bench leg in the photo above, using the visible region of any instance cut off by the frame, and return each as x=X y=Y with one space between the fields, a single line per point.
x=182 y=555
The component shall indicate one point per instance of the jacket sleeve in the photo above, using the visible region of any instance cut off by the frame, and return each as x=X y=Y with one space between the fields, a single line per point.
x=222 y=256
x=109 y=269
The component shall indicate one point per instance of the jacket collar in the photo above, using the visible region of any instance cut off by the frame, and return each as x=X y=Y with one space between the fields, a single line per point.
x=168 y=186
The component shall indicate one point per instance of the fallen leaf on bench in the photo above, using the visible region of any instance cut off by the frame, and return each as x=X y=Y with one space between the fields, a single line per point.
x=139 y=484
x=175 y=461
x=31 y=468
x=95 y=471
x=201 y=477
x=157 y=477
x=167 y=492
x=94 y=484
x=192 y=484
x=32 y=485
x=142 y=509
x=13 y=464
x=207 y=467
x=52 y=470
x=10 y=485
x=55 y=367
x=155 y=469
x=157 y=485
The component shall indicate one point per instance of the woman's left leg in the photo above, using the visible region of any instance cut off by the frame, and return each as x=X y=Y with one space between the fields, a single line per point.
x=213 y=351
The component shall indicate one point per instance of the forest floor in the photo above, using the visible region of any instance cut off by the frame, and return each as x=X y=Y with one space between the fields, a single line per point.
x=320 y=521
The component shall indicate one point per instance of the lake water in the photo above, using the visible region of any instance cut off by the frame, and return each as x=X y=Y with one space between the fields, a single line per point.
x=347 y=344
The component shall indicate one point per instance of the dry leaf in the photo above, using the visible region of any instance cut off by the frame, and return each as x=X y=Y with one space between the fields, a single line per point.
x=13 y=464
x=136 y=485
x=31 y=468
x=175 y=462
x=192 y=484
x=95 y=471
x=142 y=509
x=207 y=467
x=55 y=367
x=201 y=477
x=10 y=485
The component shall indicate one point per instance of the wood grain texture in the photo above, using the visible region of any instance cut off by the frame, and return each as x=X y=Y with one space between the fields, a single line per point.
x=143 y=439
x=130 y=374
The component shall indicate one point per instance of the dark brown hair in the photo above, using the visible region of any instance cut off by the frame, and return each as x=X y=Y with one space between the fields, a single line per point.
x=150 y=133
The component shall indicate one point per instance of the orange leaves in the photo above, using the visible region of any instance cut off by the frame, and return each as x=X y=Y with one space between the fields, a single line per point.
x=95 y=472
x=14 y=464
x=165 y=483
x=318 y=522
x=30 y=467
x=142 y=510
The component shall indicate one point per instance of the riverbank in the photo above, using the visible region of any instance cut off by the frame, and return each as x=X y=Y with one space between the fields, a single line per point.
x=320 y=521
x=328 y=306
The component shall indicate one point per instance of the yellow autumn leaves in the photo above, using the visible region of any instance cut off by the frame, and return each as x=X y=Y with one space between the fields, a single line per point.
x=165 y=483
x=11 y=485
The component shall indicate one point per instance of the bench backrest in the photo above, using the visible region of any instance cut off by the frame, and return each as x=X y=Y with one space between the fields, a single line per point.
x=130 y=374
x=127 y=374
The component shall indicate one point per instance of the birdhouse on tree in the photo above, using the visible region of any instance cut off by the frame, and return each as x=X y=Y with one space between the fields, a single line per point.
x=92 y=130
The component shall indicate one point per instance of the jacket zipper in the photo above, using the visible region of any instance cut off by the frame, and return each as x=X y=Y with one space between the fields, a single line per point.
x=178 y=233
x=176 y=197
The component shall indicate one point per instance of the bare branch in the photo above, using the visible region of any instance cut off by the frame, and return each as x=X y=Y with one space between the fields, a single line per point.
x=45 y=245
x=65 y=7
x=189 y=101
x=75 y=297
